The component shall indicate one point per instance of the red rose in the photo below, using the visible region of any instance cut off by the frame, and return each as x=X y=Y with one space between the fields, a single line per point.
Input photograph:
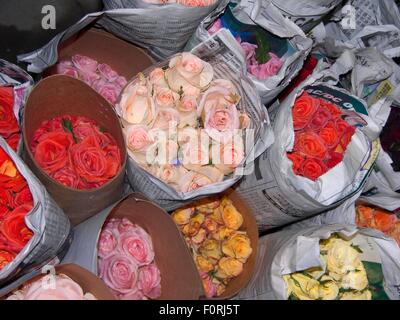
x=346 y=137
x=90 y=162
x=13 y=141
x=313 y=168
x=14 y=228
x=51 y=153
x=341 y=125
x=8 y=122
x=330 y=135
x=332 y=108
x=297 y=160
x=334 y=159
x=15 y=184
x=303 y=109
x=84 y=127
x=3 y=211
x=7 y=199
x=310 y=145
x=5 y=258
x=68 y=177
x=23 y=197
x=319 y=119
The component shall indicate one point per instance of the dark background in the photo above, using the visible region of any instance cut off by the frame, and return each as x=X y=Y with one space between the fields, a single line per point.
x=21 y=23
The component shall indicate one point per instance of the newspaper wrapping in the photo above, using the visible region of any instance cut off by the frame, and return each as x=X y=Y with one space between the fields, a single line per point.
x=226 y=66
x=278 y=196
x=22 y=83
x=361 y=24
x=266 y=16
x=49 y=224
x=297 y=249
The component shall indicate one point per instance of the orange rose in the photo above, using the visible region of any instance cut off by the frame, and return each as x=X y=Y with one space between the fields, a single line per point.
x=303 y=109
x=384 y=220
x=330 y=135
x=313 y=169
x=310 y=145
x=365 y=216
x=297 y=161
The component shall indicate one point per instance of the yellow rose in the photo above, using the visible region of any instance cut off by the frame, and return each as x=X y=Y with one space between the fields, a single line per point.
x=226 y=201
x=231 y=217
x=222 y=233
x=216 y=215
x=342 y=257
x=211 y=225
x=356 y=295
x=203 y=265
x=211 y=249
x=356 y=279
x=318 y=272
x=208 y=205
x=229 y=268
x=182 y=216
x=326 y=244
x=237 y=247
x=199 y=237
x=328 y=288
x=194 y=226
x=198 y=218
x=301 y=286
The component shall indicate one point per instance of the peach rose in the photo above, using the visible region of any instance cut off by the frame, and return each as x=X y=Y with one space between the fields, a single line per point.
x=229 y=268
x=237 y=247
x=171 y=173
x=157 y=78
x=187 y=104
x=194 y=155
x=188 y=70
x=192 y=181
x=182 y=216
x=211 y=250
x=138 y=138
x=165 y=98
x=166 y=118
x=137 y=105
x=203 y=265
x=227 y=157
x=231 y=217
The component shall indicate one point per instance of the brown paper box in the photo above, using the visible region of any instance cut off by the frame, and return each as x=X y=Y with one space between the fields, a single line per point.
x=126 y=59
x=58 y=95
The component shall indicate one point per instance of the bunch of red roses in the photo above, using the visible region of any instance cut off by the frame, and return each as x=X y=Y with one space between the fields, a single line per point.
x=321 y=136
x=9 y=128
x=76 y=152
x=15 y=203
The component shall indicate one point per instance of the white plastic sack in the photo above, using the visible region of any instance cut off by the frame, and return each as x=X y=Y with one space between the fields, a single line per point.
x=297 y=249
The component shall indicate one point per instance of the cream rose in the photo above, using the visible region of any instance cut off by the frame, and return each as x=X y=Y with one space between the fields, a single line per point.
x=328 y=289
x=195 y=154
x=167 y=118
x=165 y=98
x=356 y=279
x=137 y=105
x=301 y=286
x=227 y=157
x=354 y=295
x=188 y=70
x=341 y=257
x=157 y=78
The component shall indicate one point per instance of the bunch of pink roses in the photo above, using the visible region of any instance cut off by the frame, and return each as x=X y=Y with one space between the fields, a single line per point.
x=100 y=76
x=182 y=125
x=126 y=261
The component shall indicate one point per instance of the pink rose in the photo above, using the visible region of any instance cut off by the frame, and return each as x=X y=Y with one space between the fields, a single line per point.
x=67 y=68
x=170 y=173
x=215 y=27
x=188 y=70
x=192 y=181
x=187 y=104
x=135 y=295
x=210 y=288
x=227 y=157
x=109 y=91
x=65 y=289
x=84 y=128
x=137 y=105
x=149 y=281
x=107 y=72
x=125 y=225
x=266 y=70
x=221 y=122
x=84 y=64
x=89 y=77
x=194 y=154
x=121 y=82
x=107 y=243
x=137 y=244
x=138 y=138
x=166 y=118
x=165 y=98
x=157 y=78
x=119 y=272
x=249 y=50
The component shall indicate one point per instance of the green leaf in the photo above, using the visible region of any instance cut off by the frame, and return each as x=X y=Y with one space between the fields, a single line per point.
x=67 y=126
x=262 y=52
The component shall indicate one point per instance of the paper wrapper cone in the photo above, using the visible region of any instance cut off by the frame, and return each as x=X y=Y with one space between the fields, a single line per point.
x=126 y=59
x=87 y=280
x=179 y=277
x=59 y=95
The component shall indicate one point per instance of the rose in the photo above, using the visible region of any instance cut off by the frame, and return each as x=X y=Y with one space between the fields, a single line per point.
x=107 y=90
x=157 y=78
x=16 y=184
x=119 y=272
x=8 y=122
x=203 y=265
x=319 y=119
x=165 y=98
x=355 y=295
x=237 y=247
x=51 y=153
x=138 y=245
x=187 y=104
x=341 y=257
x=341 y=125
x=5 y=258
x=166 y=118
x=229 y=268
x=135 y=295
x=211 y=250
x=65 y=289
x=8 y=168
x=7 y=198
x=163 y=152
x=266 y=70
x=138 y=106
x=313 y=168
x=194 y=154
x=67 y=68
x=150 y=281
x=334 y=159
x=107 y=72
x=231 y=216
x=84 y=127
x=303 y=109
x=171 y=173
x=125 y=225
x=230 y=155
x=85 y=64
x=14 y=228
x=3 y=211
x=330 y=135
x=13 y=141
x=301 y=286
x=329 y=290
x=365 y=216
x=384 y=220
x=215 y=27
x=297 y=162
x=182 y=216
x=107 y=243
x=311 y=145
x=356 y=280
x=188 y=70
x=346 y=137
x=210 y=288
x=191 y=181
x=138 y=138
x=196 y=3
x=249 y=51
x=23 y=197
x=68 y=177
x=333 y=109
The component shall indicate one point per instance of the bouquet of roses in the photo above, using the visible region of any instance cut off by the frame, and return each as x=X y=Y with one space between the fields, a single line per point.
x=183 y=125
x=9 y=128
x=100 y=76
x=76 y=152
x=126 y=261
x=15 y=203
